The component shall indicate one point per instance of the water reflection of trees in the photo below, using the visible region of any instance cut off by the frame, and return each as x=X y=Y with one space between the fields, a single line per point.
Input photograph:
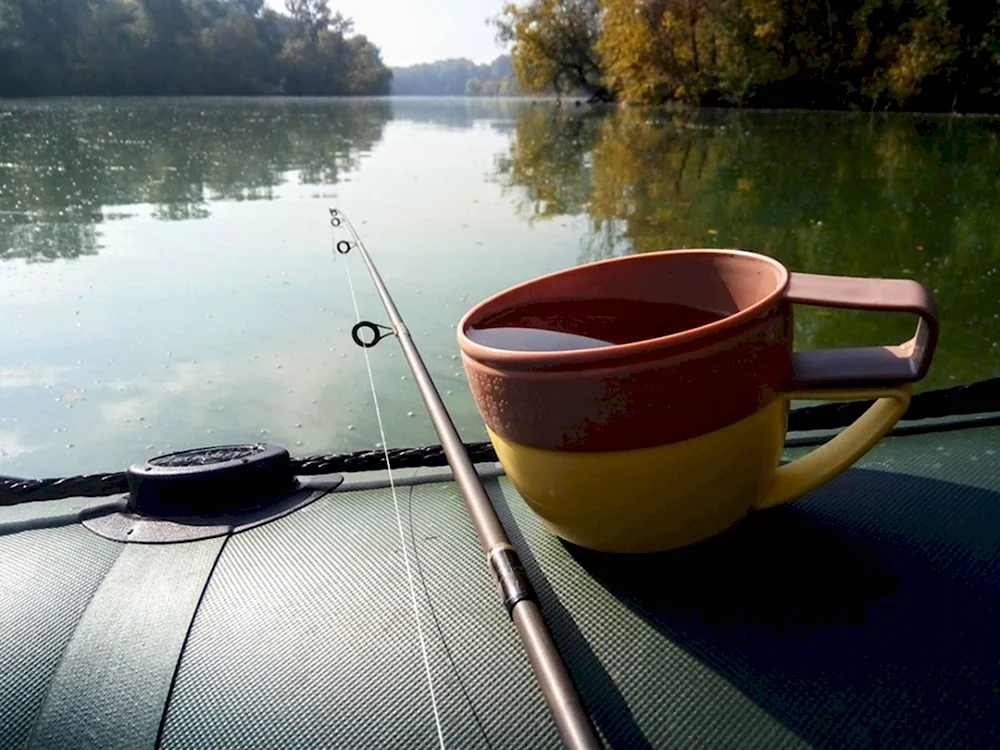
x=828 y=193
x=64 y=163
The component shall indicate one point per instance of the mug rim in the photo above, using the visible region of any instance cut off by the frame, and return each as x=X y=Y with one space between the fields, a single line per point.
x=519 y=359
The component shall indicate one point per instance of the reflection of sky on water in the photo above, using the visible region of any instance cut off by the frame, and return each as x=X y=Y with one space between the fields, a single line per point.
x=236 y=327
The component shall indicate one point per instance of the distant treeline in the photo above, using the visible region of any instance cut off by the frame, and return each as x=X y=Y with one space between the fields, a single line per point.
x=168 y=47
x=456 y=77
x=930 y=55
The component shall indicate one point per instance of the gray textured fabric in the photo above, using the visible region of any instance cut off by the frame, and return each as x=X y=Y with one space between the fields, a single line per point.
x=113 y=679
x=47 y=577
x=306 y=636
x=863 y=615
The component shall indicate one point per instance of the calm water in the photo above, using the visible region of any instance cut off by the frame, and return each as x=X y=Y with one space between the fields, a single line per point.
x=167 y=280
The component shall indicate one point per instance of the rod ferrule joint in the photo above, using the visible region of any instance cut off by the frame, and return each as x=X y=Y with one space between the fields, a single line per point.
x=514 y=584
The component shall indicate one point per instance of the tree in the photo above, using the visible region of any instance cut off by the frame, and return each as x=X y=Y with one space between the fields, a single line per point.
x=366 y=73
x=553 y=45
x=36 y=44
x=314 y=16
x=182 y=47
x=928 y=44
x=107 y=50
x=252 y=7
x=234 y=54
x=833 y=54
x=699 y=51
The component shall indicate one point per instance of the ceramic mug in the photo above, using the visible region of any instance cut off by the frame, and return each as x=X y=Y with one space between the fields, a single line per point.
x=660 y=443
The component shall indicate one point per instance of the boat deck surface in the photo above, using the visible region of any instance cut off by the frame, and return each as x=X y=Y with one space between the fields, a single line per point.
x=864 y=615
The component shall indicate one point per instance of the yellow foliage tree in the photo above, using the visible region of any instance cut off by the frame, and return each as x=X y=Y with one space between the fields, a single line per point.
x=553 y=45
x=772 y=53
x=916 y=49
x=929 y=43
x=689 y=50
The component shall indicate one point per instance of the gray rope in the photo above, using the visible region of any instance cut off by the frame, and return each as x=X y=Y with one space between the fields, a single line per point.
x=978 y=398
x=14 y=491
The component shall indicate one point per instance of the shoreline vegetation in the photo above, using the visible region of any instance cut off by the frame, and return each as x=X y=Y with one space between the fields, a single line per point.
x=868 y=55
x=456 y=77
x=183 y=47
x=921 y=56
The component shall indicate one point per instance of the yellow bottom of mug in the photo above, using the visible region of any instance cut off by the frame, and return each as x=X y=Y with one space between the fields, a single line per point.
x=650 y=499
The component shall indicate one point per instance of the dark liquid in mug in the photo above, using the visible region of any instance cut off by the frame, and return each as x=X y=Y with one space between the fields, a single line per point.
x=586 y=324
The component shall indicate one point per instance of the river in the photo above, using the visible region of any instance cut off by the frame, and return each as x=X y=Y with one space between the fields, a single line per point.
x=167 y=279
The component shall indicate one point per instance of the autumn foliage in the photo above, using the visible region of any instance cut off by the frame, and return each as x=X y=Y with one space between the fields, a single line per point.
x=935 y=55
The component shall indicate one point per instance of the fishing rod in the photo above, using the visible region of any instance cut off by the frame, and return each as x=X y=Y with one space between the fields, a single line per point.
x=519 y=597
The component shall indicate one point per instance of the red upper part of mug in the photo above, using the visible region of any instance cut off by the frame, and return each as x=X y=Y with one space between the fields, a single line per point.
x=735 y=284
x=648 y=392
x=667 y=388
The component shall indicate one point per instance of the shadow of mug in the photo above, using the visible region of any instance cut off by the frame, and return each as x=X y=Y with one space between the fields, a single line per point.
x=863 y=615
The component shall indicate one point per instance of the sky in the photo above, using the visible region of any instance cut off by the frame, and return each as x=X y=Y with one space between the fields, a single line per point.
x=416 y=31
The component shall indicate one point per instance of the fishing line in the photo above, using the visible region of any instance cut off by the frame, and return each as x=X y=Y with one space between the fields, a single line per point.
x=437 y=622
x=519 y=597
x=395 y=502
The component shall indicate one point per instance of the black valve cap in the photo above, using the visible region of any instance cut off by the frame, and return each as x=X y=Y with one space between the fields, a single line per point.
x=210 y=482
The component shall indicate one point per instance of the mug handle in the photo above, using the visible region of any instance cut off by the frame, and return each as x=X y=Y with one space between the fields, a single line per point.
x=880 y=372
